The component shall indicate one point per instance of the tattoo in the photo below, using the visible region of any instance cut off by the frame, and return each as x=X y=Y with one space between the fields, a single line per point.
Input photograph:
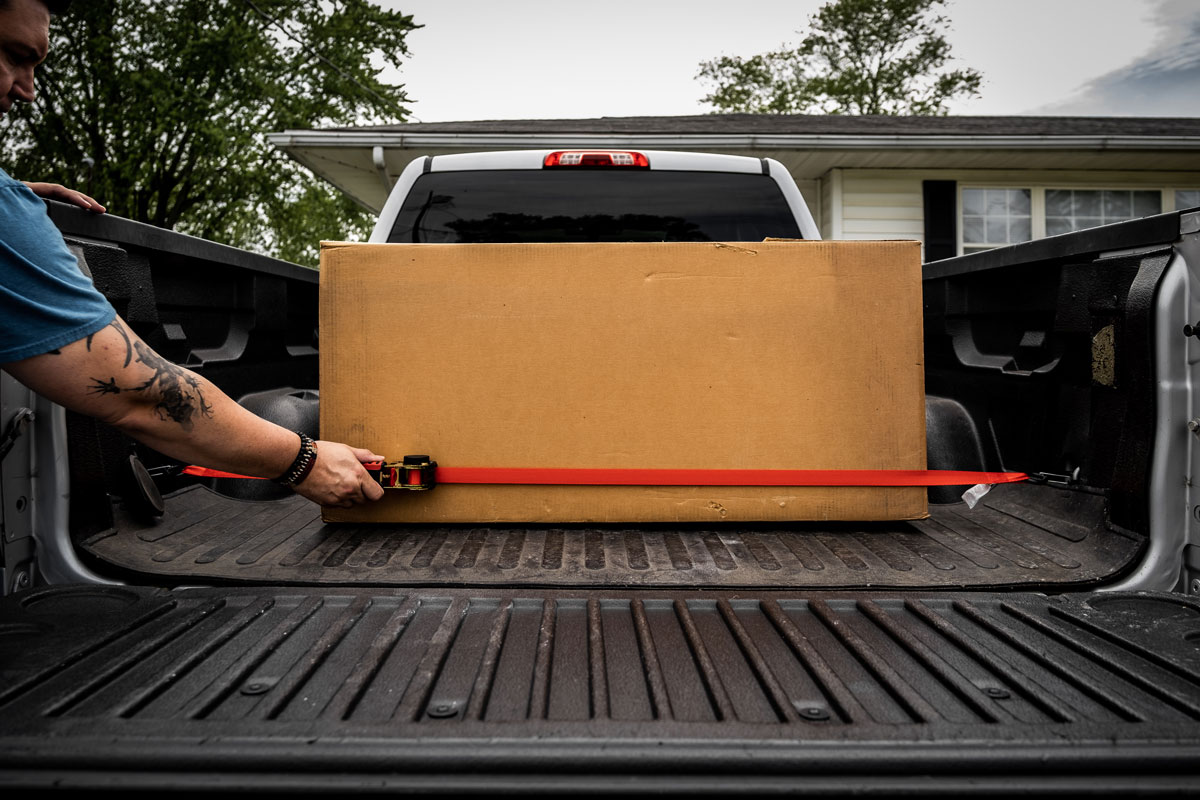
x=180 y=396
x=179 y=390
x=104 y=387
x=128 y=344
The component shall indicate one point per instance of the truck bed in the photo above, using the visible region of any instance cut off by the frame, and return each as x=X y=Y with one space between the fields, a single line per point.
x=492 y=691
x=1019 y=535
x=1035 y=355
x=258 y=649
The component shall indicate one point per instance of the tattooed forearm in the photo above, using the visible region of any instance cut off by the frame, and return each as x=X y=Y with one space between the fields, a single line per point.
x=180 y=396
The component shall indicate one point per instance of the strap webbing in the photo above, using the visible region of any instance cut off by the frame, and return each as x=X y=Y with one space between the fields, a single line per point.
x=697 y=477
x=722 y=477
x=205 y=472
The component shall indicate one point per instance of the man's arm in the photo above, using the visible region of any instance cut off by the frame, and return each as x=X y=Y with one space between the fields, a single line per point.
x=116 y=377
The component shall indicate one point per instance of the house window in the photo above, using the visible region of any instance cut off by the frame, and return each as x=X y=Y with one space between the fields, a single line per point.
x=1075 y=209
x=995 y=217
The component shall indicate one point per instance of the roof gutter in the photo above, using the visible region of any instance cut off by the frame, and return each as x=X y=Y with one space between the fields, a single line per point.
x=355 y=139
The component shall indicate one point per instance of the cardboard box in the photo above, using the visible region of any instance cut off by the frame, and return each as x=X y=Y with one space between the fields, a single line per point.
x=768 y=355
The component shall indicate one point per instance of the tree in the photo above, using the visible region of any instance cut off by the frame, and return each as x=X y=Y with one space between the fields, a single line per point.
x=160 y=109
x=859 y=57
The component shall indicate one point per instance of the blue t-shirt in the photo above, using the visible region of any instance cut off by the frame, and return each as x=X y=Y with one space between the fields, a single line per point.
x=45 y=301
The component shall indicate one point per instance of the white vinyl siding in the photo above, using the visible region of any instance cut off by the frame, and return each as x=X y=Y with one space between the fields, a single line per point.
x=880 y=206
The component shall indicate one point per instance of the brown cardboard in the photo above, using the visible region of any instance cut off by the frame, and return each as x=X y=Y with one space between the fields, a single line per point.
x=769 y=355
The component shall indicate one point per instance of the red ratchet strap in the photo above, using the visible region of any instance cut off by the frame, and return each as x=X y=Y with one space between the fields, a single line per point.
x=670 y=477
x=205 y=472
x=723 y=477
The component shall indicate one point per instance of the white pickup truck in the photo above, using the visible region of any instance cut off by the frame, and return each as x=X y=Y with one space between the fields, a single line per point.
x=593 y=195
x=194 y=635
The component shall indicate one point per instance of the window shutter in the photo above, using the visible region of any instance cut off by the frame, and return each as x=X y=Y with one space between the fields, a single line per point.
x=941 y=219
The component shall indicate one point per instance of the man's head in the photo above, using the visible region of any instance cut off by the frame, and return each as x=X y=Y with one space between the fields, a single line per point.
x=24 y=42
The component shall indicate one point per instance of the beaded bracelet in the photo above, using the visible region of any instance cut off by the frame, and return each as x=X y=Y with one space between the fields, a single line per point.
x=303 y=464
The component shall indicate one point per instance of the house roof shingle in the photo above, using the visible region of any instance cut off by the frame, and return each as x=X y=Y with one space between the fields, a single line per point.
x=815 y=125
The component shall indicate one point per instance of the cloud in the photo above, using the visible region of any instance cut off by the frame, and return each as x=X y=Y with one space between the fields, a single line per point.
x=1160 y=83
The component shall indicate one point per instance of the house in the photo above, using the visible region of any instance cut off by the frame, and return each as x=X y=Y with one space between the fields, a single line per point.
x=958 y=184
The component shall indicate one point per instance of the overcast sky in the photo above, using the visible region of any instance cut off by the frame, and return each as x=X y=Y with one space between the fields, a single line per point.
x=545 y=59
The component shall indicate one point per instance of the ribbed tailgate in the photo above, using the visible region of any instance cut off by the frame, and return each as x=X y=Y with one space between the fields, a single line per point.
x=358 y=688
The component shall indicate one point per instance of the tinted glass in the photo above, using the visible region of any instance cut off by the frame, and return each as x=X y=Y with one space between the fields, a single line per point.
x=593 y=206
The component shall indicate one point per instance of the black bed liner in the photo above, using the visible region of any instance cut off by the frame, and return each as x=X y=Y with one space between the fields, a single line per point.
x=1020 y=535
x=602 y=691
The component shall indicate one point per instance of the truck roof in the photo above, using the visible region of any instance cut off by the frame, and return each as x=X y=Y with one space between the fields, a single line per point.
x=653 y=160
x=659 y=159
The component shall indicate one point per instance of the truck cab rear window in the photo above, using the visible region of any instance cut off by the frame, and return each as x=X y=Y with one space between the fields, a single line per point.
x=593 y=206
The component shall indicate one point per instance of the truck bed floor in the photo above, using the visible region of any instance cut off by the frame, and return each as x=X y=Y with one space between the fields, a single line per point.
x=1020 y=535
x=562 y=692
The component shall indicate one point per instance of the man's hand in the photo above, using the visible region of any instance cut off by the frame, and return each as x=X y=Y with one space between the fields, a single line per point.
x=56 y=191
x=338 y=477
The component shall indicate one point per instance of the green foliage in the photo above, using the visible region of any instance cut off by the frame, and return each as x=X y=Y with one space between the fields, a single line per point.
x=859 y=57
x=170 y=102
